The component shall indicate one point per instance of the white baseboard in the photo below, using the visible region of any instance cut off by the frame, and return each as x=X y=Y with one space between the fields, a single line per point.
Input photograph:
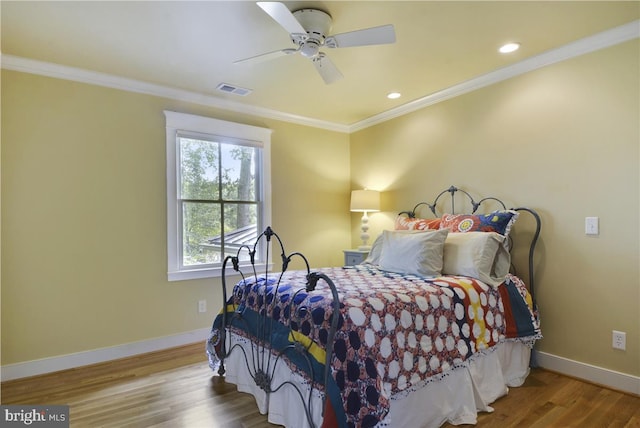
x=612 y=379
x=598 y=375
x=79 y=359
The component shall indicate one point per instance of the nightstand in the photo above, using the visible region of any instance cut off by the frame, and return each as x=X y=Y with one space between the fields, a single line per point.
x=354 y=257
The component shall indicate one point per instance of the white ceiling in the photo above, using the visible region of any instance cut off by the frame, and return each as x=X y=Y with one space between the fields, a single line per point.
x=191 y=46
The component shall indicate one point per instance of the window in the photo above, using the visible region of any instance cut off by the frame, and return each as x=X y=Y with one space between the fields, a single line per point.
x=218 y=192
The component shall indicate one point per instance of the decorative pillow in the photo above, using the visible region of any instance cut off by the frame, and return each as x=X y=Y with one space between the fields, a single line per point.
x=497 y=221
x=414 y=253
x=480 y=255
x=406 y=223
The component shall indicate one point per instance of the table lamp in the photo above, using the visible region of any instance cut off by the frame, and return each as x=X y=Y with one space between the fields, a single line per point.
x=365 y=201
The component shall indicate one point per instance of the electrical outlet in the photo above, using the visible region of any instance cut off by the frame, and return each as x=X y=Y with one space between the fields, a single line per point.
x=619 y=340
x=202 y=306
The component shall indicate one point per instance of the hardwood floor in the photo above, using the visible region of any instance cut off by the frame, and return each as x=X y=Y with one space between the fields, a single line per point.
x=549 y=399
x=175 y=388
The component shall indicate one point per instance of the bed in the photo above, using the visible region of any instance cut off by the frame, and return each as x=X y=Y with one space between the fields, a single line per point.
x=433 y=327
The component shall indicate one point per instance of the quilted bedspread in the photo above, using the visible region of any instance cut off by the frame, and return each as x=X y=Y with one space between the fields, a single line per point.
x=396 y=332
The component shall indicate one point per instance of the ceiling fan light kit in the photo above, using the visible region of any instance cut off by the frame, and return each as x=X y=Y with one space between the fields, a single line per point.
x=309 y=30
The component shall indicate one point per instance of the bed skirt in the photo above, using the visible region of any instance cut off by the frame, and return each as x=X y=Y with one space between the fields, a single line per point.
x=456 y=397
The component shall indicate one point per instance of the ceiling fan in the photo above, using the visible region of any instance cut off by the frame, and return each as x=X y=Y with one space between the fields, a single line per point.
x=309 y=30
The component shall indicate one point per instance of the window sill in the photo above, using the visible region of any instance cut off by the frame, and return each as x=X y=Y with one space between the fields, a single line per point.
x=187 y=274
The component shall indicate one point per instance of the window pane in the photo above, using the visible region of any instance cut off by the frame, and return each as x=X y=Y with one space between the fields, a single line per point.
x=238 y=173
x=240 y=228
x=199 y=178
x=201 y=234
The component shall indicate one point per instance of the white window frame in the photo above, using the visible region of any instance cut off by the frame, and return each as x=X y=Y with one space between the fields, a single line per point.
x=260 y=137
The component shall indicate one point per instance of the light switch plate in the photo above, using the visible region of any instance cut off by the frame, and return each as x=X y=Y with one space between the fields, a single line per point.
x=591 y=226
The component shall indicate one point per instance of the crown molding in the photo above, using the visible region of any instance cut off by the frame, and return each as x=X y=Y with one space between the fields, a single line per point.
x=583 y=46
x=42 y=68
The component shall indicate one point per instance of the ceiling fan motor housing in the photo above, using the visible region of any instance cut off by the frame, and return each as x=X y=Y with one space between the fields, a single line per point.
x=317 y=25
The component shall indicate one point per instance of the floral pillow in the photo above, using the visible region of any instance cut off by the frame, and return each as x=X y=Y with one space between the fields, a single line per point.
x=406 y=223
x=497 y=221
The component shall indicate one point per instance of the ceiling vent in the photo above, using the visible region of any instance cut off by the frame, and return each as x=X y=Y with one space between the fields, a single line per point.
x=230 y=89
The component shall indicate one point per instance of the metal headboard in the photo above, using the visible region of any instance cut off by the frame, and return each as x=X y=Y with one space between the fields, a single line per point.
x=475 y=205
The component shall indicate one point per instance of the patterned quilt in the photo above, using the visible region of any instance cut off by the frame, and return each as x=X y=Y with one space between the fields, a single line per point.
x=396 y=332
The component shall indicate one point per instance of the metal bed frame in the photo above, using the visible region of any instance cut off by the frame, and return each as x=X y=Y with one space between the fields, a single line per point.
x=262 y=359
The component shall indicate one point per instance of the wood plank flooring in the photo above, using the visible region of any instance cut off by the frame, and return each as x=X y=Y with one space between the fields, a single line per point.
x=175 y=388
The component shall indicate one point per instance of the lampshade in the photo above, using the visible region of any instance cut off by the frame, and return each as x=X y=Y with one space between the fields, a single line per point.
x=365 y=200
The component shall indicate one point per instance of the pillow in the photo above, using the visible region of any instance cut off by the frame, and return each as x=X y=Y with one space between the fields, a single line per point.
x=375 y=252
x=497 y=221
x=407 y=223
x=414 y=253
x=480 y=255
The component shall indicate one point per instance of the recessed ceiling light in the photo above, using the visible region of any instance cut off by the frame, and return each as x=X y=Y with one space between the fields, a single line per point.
x=393 y=95
x=509 y=47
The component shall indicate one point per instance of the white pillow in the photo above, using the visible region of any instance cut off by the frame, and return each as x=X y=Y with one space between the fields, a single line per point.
x=480 y=255
x=414 y=253
x=376 y=251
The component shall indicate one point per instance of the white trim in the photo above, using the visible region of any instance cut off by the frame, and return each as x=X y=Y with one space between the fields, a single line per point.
x=583 y=46
x=185 y=274
x=209 y=125
x=78 y=359
x=175 y=122
x=609 y=378
x=26 y=65
x=598 y=375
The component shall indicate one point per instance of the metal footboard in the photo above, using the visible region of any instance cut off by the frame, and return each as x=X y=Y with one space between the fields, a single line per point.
x=263 y=356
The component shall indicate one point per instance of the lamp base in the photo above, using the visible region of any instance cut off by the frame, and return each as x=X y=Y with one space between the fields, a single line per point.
x=364 y=235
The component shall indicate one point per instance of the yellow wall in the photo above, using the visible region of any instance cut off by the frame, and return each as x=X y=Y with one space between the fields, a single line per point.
x=84 y=211
x=563 y=140
x=83 y=201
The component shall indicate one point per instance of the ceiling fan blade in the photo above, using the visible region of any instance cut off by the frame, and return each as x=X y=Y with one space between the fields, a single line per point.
x=369 y=36
x=266 y=56
x=326 y=69
x=283 y=16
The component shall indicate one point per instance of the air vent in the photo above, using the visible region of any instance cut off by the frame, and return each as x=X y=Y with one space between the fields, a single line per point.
x=230 y=89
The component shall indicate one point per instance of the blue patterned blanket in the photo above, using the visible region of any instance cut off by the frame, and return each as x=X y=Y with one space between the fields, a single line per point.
x=396 y=332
